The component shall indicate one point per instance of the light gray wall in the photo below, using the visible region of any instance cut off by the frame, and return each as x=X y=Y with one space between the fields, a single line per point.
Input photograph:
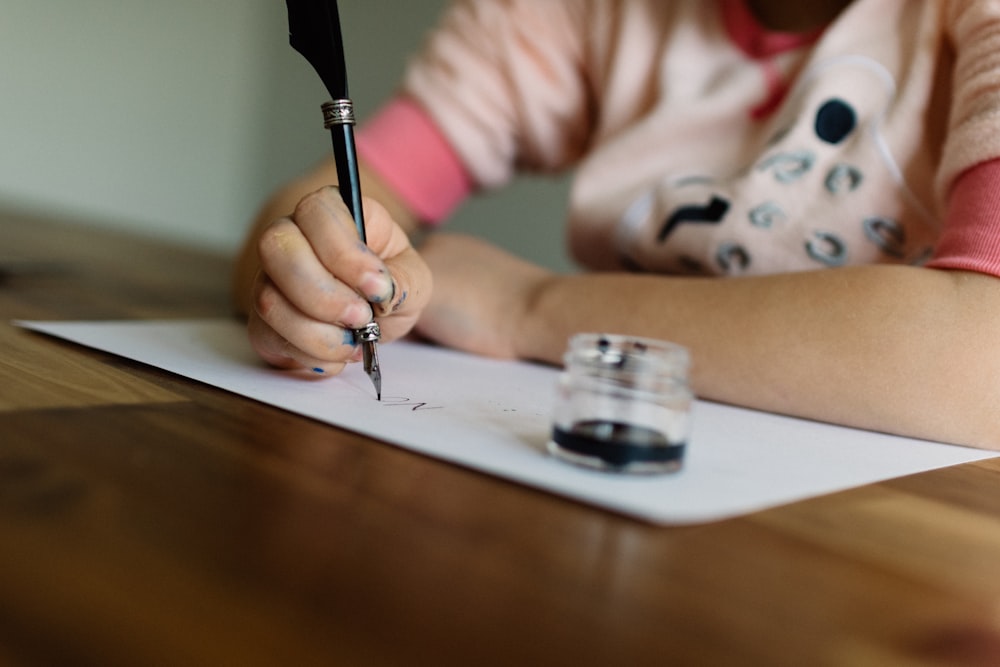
x=175 y=119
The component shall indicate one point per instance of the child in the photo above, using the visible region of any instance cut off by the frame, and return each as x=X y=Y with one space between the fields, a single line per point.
x=804 y=194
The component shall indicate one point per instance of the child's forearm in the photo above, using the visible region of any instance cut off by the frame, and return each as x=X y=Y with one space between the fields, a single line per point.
x=900 y=349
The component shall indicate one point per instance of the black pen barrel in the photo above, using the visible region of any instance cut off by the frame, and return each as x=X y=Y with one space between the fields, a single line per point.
x=338 y=117
x=348 y=179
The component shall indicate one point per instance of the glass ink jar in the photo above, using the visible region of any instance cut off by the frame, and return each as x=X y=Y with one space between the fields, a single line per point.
x=623 y=404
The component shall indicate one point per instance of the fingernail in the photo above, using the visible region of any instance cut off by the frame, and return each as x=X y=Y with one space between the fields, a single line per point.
x=377 y=286
x=357 y=315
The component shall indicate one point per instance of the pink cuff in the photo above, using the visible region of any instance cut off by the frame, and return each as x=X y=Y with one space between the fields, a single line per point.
x=971 y=237
x=407 y=150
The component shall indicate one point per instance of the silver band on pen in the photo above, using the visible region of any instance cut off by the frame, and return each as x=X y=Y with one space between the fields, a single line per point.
x=370 y=333
x=338 y=112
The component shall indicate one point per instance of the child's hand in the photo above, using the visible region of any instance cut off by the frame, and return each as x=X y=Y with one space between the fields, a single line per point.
x=482 y=296
x=317 y=281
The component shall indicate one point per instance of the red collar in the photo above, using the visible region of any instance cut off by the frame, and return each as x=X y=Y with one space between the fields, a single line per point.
x=754 y=39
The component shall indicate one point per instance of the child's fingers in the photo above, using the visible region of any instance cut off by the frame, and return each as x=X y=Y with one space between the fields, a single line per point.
x=329 y=228
x=414 y=285
x=318 y=278
x=285 y=337
x=288 y=259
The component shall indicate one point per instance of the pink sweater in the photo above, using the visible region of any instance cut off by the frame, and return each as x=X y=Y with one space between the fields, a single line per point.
x=702 y=142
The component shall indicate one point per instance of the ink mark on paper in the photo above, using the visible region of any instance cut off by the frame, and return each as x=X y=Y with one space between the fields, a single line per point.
x=414 y=406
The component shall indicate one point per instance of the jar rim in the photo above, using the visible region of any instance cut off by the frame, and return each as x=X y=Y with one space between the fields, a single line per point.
x=627 y=353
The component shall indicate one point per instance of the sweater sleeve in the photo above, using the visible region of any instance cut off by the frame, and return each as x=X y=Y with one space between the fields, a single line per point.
x=974 y=120
x=505 y=83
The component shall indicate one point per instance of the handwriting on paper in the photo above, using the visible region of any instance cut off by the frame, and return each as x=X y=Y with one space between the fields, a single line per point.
x=399 y=401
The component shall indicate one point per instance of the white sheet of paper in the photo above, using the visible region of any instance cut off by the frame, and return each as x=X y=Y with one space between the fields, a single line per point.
x=494 y=416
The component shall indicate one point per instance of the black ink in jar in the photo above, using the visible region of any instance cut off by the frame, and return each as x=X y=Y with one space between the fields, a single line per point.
x=623 y=404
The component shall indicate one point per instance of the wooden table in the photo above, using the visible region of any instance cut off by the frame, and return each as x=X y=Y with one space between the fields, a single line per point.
x=150 y=520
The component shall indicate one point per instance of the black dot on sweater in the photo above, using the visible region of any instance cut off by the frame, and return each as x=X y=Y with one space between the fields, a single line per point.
x=835 y=120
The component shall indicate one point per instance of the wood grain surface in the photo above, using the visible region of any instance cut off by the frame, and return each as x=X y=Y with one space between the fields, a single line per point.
x=149 y=520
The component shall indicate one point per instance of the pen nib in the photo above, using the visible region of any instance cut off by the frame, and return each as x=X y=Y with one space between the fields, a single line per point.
x=372 y=368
